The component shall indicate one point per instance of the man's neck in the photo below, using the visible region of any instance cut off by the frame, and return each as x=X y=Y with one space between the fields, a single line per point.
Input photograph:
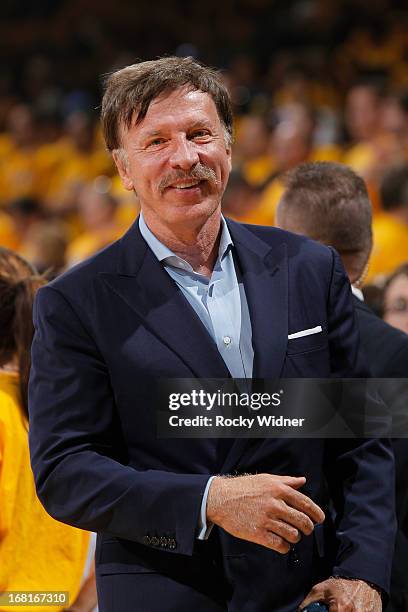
x=198 y=244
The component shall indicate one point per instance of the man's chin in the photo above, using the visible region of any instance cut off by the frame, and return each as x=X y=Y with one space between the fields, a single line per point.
x=194 y=215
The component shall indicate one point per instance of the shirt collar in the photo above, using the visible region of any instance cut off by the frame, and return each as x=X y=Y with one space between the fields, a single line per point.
x=166 y=255
x=358 y=293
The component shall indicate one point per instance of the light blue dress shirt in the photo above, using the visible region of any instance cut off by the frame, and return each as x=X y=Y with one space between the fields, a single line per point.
x=221 y=304
x=219 y=301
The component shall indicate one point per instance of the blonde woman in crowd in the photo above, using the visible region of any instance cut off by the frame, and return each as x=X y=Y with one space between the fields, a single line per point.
x=36 y=552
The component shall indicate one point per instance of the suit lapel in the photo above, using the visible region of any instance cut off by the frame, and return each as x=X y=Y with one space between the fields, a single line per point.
x=143 y=284
x=265 y=275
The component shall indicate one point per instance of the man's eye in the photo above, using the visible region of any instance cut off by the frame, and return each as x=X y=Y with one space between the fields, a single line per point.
x=156 y=142
x=200 y=134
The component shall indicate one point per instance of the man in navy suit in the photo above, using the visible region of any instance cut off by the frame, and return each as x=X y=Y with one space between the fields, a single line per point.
x=328 y=202
x=186 y=294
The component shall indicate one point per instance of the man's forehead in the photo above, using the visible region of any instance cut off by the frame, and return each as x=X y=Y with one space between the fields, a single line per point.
x=186 y=92
x=183 y=104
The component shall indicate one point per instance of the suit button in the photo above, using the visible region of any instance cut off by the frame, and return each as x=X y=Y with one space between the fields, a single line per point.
x=155 y=541
x=146 y=540
x=293 y=557
x=172 y=544
x=164 y=542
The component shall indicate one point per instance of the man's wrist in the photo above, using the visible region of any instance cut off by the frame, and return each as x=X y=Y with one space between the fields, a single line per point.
x=204 y=526
x=214 y=499
x=370 y=584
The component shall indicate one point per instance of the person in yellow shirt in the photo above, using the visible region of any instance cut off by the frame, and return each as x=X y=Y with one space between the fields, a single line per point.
x=374 y=146
x=129 y=206
x=37 y=553
x=97 y=210
x=24 y=214
x=18 y=156
x=8 y=234
x=240 y=198
x=292 y=143
x=396 y=119
x=251 y=155
x=73 y=161
x=390 y=227
x=376 y=47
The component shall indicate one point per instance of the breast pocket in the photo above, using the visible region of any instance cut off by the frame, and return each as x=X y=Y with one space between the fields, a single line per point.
x=308 y=357
x=306 y=344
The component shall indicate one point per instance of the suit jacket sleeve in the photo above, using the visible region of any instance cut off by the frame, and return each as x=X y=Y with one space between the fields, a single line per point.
x=360 y=473
x=79 y=478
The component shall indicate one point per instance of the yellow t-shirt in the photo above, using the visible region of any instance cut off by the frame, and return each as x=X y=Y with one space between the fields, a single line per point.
x=89 y=243
x=257 y=171
x=390 y=246
x=18 y=173
x=360 y=157
x=264 y=213
x=8 y=236
x=68 y=169
x=37 y=553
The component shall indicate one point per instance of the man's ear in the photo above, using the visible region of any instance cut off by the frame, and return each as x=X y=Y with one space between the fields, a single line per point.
x=229 y=153
x=228 y=148
x=121 y=160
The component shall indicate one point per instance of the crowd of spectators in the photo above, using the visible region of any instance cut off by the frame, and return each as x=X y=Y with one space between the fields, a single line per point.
x=310 y=81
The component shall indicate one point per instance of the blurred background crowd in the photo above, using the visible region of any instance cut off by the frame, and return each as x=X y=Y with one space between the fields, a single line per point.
x=310 y=80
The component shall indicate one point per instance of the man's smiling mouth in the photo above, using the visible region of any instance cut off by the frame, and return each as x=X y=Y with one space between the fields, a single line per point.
x=186 y=184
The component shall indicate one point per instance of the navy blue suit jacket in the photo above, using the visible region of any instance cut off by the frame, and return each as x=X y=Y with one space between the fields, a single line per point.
x=104 y=332
x=386 y=351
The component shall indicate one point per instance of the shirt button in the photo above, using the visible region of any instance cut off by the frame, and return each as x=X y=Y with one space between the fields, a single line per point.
x=226 y=340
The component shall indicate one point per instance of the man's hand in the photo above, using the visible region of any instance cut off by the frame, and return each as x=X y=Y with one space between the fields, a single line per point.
x=263 y=508
x=343 y=595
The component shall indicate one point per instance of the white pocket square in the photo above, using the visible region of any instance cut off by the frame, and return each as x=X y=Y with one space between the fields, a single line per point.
x=306 y=332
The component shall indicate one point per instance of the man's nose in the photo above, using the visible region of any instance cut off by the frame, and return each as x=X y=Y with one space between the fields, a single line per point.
x=184 y=154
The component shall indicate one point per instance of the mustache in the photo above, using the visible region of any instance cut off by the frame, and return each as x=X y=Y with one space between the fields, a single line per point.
x=200 y=172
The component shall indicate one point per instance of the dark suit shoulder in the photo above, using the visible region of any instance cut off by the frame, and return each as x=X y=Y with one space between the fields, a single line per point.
x=303 y=252
x=296 y=243
x=385 y=346
x=81 y=285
